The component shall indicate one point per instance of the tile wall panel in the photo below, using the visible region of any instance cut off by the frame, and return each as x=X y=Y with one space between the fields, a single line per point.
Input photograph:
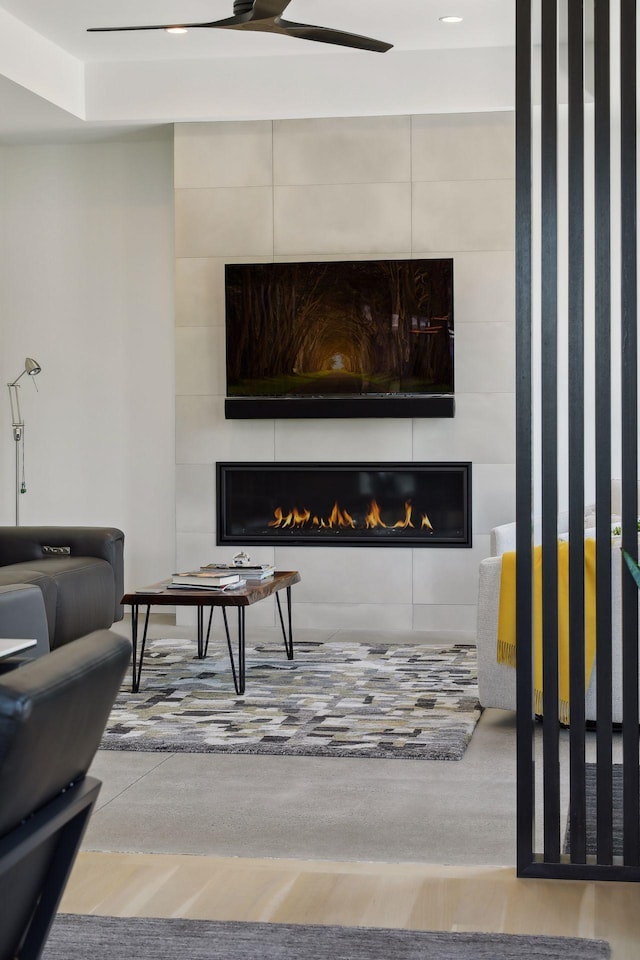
x=199 y=291
x=441 y=146
x=213 y=223
x=200 y=361
x=342 y=218
x=448 y=576
x=353 y=616
x=195 y=497
x=458 y=618
x=343 y=440
x=482 y=429
x=484 y=357
x=484 y=286
x=339 y=189
x=342 y=150
x=349 y=574
x=487 y=223
x=204 y=436
x=239 y=155
x=494 y=496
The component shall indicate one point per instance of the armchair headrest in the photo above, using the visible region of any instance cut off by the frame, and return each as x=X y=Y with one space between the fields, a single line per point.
x=53 y=712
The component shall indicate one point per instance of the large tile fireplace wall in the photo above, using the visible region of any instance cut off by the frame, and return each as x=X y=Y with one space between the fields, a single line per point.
x=351 y=188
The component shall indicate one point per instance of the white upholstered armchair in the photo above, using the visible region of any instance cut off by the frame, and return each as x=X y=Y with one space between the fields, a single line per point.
x=496 y=681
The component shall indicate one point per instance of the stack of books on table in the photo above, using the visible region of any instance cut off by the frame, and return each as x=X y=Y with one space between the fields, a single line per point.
x=250 y=572
x=207 y=580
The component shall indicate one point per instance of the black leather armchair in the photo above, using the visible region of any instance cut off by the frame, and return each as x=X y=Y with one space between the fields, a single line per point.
x=52 y=715
x=79 y=571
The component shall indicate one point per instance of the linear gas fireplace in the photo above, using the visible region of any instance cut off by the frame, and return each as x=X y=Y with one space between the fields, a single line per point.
x=344 y=504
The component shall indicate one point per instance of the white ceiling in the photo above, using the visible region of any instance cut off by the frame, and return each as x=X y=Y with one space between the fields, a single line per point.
x=56 y=76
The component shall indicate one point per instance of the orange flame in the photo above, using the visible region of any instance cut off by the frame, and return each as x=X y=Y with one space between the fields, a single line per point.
x=407 y=516
x=373 y=518
x=339 y=517
x=278 y=518
x=300 y=517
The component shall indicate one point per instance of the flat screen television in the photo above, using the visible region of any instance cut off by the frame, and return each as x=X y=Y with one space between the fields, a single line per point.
x=358 y=338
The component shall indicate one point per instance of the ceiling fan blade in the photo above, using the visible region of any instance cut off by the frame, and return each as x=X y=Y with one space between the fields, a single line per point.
x=338 y=37
x=228 y=22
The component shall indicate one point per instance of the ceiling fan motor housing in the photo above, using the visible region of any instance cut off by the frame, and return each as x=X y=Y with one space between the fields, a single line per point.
x=242 y=6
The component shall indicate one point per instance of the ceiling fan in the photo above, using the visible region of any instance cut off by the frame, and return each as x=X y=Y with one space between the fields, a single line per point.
x=266 y=16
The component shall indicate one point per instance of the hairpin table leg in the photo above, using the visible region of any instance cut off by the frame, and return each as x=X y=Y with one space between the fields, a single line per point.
x=288 y=640
x=136 y=663
x=239 y=674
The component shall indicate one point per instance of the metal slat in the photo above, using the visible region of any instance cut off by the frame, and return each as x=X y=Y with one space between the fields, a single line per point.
x=602 y=344
x=577 y=797
x=549 y=429
x=629 y=431
x=524 y=447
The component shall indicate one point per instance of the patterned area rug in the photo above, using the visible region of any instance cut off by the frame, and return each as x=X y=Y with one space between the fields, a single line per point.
x=334 y=699
x=591 y=824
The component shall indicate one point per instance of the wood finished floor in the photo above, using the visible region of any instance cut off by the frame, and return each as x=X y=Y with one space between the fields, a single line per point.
x=408 y=896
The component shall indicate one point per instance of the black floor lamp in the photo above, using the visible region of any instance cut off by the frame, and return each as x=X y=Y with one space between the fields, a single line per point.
x=32 y=367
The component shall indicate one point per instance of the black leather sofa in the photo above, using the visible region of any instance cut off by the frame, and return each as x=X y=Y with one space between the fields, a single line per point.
x=79 y=574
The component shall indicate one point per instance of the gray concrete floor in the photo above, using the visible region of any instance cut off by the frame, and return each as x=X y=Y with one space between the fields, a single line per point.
x=445 y=812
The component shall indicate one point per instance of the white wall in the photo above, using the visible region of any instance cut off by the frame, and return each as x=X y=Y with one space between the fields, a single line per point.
x=86 y=254
x=400 y=186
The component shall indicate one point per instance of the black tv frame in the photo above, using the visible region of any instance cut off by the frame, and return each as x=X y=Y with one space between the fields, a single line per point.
x=349 y=406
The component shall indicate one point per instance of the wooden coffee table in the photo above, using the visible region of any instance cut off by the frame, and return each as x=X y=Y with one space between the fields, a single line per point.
x=160 y=594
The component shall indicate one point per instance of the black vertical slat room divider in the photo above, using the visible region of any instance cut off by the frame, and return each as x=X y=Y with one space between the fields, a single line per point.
x=574 y=300
x=549 y=419
x=576 y=401
x=524 y=434
x=602 y=343
x=629 y=446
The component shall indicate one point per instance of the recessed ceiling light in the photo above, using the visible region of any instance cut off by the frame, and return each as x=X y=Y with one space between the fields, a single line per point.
x=176 y=29
x=450 y=19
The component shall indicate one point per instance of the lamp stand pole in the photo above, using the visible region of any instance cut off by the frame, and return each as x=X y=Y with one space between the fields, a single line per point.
x=18 y=435
x=32 y=368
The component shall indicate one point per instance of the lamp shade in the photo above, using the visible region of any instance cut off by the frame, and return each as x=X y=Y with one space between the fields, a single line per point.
x=31 y=366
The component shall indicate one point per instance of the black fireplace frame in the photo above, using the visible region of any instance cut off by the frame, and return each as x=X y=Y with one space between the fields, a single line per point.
x=224 y=538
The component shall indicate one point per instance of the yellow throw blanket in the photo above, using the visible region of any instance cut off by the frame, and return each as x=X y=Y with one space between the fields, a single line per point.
x=507 y=619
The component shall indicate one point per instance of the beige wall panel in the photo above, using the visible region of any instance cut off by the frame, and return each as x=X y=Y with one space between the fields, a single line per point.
x=358 y=440
x=195 y=497
x=199 y=292
x=448 y=576
x=233 y=221
x=494 y=495
x=223 y=154
x=483 y=431
x=461 y=215
x=468 y=146
x=342 y=150
x=204 y=436
x=200 y=361
x=484 y=286
x=353 y=616
x=458 y=618
x=368 y=218
x=350 y=574
x=485 y=358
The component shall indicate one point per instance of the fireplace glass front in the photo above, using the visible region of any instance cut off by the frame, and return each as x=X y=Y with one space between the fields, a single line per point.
x=322 y=504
